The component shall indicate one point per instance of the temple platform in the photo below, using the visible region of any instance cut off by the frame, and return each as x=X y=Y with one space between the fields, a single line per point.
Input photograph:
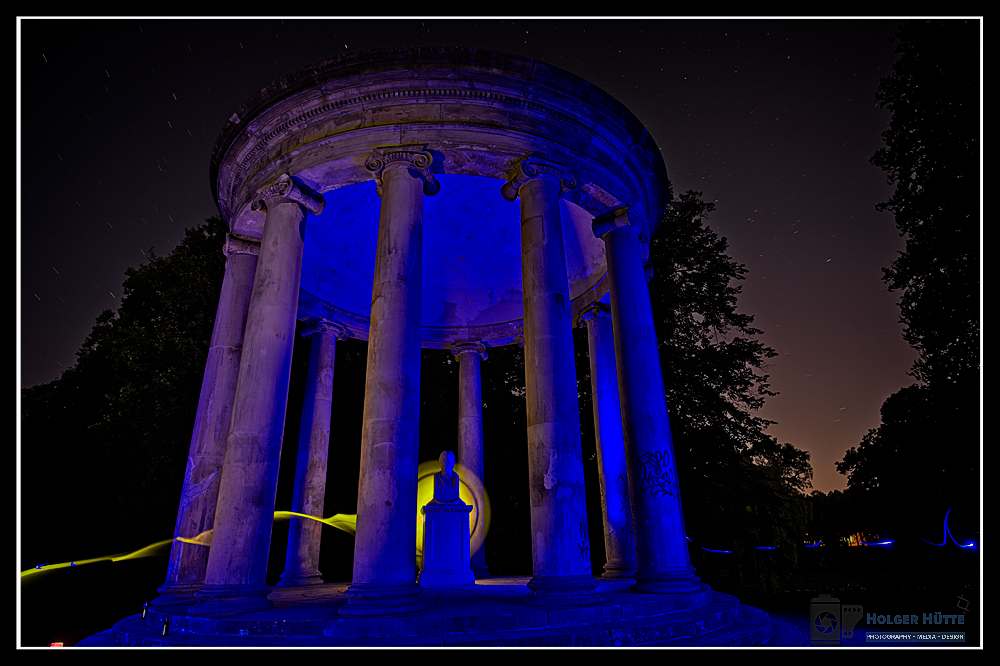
x=494 y=612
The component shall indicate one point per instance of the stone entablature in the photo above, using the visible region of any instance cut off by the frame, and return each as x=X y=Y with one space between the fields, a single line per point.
x=542 y=108
x=468 y=112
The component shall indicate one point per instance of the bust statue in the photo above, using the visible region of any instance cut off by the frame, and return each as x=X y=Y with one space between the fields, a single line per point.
x=445 y=547
x=446 y=481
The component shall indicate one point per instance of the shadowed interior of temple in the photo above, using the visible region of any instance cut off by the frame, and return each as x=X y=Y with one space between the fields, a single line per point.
x=471 y=253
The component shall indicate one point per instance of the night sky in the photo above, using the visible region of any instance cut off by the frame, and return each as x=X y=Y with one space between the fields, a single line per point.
x=773 y=120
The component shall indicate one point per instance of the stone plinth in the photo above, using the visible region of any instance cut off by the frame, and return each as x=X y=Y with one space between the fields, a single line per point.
x=446 y=545
x=446 y=532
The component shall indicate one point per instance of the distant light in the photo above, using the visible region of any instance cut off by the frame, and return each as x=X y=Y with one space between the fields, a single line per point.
x=813 y=544
x=57 y=644
x=714 y=550
x=885 y=543
x=765 y=548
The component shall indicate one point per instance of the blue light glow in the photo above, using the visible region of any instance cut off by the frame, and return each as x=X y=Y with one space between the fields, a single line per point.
x=717 y=551
x=946 y=535
x=765 y=548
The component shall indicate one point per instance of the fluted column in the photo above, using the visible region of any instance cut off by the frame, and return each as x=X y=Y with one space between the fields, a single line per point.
x=385 y=544
x=470 y=423
x=662 y=560
x=237 y=562
x=612 y=471
x=309 y=488
x=560 y=543
x=186 y=567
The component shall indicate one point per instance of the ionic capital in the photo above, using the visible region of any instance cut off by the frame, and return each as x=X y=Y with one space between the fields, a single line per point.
x=460 y=348
x=527 y=169
x=415 y=158
x=288 y=190
x=595 y=310
x=237 y=245
x=313 y=327
x=611 y=221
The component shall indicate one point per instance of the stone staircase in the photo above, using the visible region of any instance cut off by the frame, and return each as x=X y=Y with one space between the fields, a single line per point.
x=506 y=615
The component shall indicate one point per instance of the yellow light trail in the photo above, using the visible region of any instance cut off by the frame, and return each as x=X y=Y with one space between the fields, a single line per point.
x=341 y=521
x=471 y=491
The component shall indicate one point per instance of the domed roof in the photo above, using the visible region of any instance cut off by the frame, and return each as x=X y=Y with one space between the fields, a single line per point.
x=478 y=113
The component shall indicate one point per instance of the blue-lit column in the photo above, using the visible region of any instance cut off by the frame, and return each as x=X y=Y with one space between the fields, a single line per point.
x=470 y=423
x=309 y=488
x=186 y=568
x=237 y=561
x=612 y=470
x=385 y=543
x=662 y=560
x=560 y=542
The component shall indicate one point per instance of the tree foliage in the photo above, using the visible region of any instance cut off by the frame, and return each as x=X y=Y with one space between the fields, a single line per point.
x=930 y=154
x=737 y=479
x=104 y=446
x=922 y=458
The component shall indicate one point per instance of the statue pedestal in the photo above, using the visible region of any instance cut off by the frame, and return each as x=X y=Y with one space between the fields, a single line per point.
x=446 y=545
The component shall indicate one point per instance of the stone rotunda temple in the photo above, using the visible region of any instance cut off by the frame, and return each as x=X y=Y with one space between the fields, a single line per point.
x=449 y=199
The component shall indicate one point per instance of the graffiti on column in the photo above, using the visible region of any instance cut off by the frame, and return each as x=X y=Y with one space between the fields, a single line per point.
x=656 y=473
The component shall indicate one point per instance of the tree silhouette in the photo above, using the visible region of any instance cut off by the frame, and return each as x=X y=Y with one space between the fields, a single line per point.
x=104 y=446
x=923 y=457
x=739 y=485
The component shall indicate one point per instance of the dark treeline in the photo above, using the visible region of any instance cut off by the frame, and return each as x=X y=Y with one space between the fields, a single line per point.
x=923 y=458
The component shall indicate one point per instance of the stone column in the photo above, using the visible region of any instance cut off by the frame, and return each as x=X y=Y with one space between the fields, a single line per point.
x=470 y=423
x=662 y=560
x=560 y=543
x=237 y=562
x=386 y=540
x=309 y=489
x=612 y=471
x=186 y=568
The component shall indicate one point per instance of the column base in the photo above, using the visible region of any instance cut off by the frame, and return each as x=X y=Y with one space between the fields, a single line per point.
x=563 y=591
x=669 y=585
x=213 y=599
x=618 y=571
x=300 y=580
x=446 y=579
x=562 y=584
x=365 y=599
x=479 y=568
x=173 y=595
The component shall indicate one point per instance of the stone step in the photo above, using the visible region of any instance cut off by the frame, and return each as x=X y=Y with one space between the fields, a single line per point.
x=478 y=618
